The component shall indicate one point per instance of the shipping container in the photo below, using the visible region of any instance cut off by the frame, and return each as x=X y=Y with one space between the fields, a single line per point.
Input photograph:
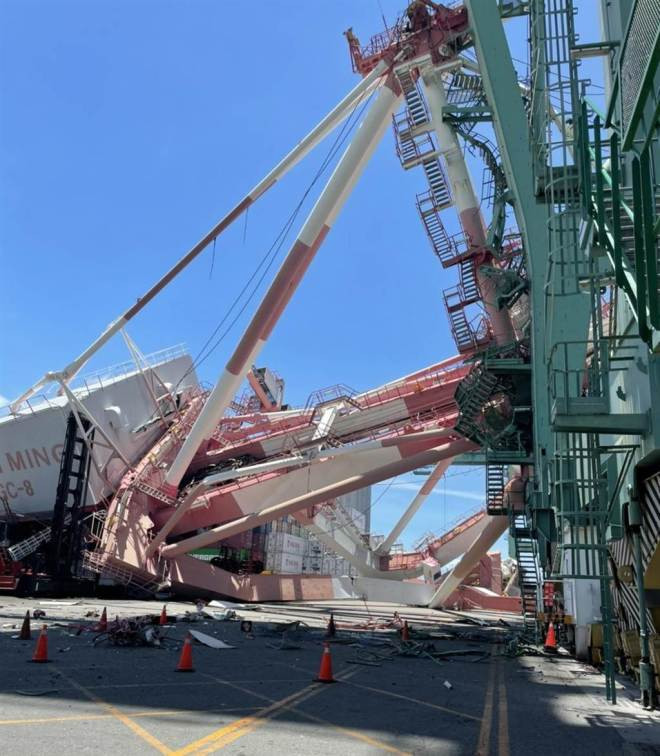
x=284 y=563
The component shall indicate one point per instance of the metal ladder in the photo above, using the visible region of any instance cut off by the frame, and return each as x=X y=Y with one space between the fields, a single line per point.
x=65 y=545
x=29 y=545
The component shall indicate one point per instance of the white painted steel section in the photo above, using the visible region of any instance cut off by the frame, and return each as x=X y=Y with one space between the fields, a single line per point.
x=479 y=548
x=332 y=197
x=316 y=135
x=459 y=544
x=243 y=472
x=319 y=132
x=327 y=454
x=421 y=496
x=214 y=408
x=459 y=177
x=350 y=166
x=318 y=474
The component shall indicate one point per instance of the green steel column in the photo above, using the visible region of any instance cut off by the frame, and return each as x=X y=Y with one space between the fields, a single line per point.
x=640 y=257
x=510 y=124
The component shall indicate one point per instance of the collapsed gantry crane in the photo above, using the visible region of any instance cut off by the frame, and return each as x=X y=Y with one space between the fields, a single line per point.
x=222 y=469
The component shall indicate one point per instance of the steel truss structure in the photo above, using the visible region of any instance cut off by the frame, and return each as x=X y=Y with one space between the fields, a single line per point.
x=528 y=394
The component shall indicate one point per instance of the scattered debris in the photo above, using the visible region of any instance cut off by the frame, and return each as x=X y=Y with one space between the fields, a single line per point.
x=447 y=685
x=221 y=616
x=133 y=631
x=208 y=640
x=217 y=604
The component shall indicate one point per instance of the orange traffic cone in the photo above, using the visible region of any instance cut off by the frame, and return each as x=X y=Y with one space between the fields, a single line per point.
x=25 y=633
x=325 y=672
x=332 y=629
x=163 y=616
x=103 y=622
x=405 y=632
x=550 y=640
x=41 y=650
x=185 y=660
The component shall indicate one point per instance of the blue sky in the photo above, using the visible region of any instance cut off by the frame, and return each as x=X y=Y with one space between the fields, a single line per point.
x=130 y=126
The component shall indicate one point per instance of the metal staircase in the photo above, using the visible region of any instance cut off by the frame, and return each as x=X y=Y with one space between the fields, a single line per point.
x=414 y=143
x=495 y=478
x=450 y=250
x=438 y=183
x=471 y=395
x=467 y=337
x=465 y=89
x=529 y=572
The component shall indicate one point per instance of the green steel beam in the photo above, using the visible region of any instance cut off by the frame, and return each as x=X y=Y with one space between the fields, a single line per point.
x=640 y=262
x=470 y=115
x=513 y=8
x=647 y=221
x=634 y=424
x=479 y=458
x=616 y=210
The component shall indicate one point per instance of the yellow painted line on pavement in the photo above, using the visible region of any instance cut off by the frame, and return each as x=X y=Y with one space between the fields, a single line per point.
x=230 y=733
x=352 y=733
x=134 y=727
x=483 y=744
x=133 y=715
x=187 y=683
x=447 y=710
x=418 y=701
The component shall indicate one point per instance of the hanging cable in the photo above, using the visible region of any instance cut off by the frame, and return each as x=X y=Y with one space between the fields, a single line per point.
x=212 y=261
x=270 y=256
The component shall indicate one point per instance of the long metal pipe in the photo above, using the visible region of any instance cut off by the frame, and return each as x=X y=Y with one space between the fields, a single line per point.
x=465 y=199
x=281 y=290
x=316 y=135
x=421 y=496
x=318 y=496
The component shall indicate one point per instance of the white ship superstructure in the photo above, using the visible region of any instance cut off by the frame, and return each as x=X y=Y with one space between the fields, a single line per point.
x=131 y=402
